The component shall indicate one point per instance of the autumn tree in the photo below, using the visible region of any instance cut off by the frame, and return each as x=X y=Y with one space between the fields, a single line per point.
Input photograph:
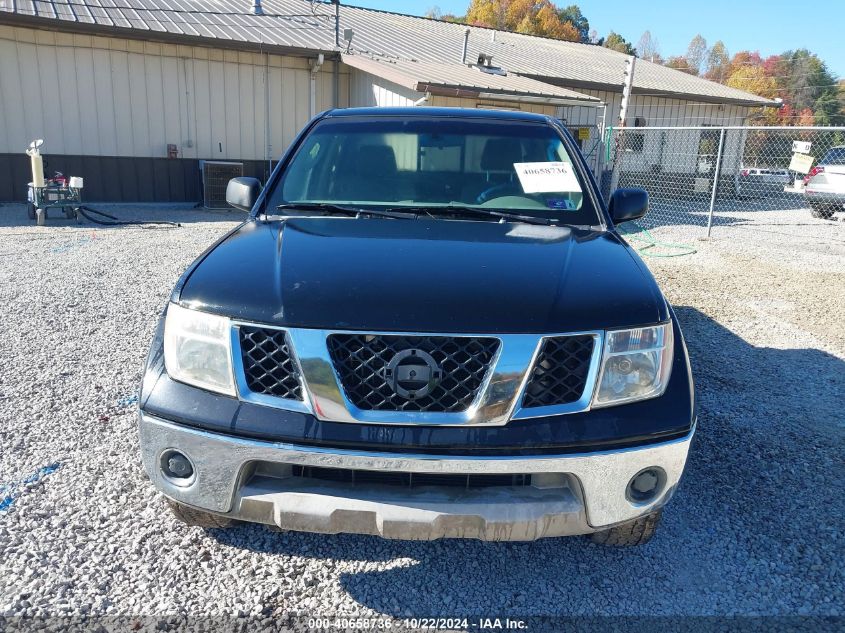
x=573 y=15
x=806 y=82
x=696 y=52
x=753 y=78
x=618 y=43
x=532 y=17
x=748 y=73
x=648 y=47
x=679 y=62
x=718 y=63
x=810 y=94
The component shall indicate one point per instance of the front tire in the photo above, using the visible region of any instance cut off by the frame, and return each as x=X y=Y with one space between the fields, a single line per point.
x=822 y=211
x=637 y=532
x=192 y=516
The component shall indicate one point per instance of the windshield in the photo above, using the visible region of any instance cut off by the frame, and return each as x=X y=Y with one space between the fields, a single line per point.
x=427 y=163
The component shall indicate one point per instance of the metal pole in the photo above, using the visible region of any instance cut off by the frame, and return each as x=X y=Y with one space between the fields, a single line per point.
x=336 y=70
x=715 y=181
x=268 y=154
x=618 y=138
x=627 y=87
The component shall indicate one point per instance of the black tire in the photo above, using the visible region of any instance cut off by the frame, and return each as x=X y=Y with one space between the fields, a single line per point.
x=30 y=210
x=192 y=516
x=636 y=532
x=822 y=211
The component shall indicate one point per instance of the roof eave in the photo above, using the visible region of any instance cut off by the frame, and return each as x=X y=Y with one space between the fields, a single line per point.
x=163 y=37
x=442 y=90
x=576 y=84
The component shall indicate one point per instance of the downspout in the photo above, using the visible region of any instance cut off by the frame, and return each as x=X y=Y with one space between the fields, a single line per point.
x=316 y=64
x=336 y=80
x=423 y=100
x=268 y=154
x=336 y=73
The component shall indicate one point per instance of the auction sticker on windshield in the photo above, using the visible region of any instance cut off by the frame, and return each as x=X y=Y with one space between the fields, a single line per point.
x=547 y=177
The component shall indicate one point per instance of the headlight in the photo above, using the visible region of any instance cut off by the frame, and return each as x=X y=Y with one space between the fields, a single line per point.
x=198 y=350
x=635 y=365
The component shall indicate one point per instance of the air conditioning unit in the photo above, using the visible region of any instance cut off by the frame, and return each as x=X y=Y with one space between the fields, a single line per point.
x=215 y=177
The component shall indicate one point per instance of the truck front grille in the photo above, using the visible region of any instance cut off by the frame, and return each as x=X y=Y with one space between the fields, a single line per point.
x=268 y=363
x=411 y=480
x=362 y=360
x=559 y=375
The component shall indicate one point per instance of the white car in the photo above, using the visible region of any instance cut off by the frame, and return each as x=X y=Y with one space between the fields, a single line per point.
x=824 y=186
x=760 y=182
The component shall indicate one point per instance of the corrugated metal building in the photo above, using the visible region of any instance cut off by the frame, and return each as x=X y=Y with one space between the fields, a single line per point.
x=132 y=94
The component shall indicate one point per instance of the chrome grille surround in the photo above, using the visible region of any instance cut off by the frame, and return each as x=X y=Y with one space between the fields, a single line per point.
x=499 y=397
x=268 y=365
x=559 y=374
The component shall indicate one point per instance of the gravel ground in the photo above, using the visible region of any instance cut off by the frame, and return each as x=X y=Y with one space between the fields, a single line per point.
x=756 y=527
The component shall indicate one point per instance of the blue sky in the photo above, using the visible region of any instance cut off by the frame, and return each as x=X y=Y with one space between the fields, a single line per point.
x=770 y=26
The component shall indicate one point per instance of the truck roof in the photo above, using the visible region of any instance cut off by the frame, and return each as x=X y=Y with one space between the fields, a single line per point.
x=429 y=112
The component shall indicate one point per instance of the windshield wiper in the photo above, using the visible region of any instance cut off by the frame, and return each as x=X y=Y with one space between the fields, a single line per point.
x=459 y=209
x=354 y=212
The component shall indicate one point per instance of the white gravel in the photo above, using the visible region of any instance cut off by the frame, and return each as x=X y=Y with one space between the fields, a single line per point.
x=756 y=527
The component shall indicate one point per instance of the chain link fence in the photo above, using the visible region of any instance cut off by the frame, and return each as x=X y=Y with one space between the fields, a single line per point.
x=699 y=178
x=590 y=139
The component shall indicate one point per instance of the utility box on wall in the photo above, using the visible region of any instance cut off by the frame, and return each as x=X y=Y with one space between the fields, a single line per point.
x=215 y=177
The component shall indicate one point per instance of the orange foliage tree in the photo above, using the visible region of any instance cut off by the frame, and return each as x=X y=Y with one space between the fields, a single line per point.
x=523 y=16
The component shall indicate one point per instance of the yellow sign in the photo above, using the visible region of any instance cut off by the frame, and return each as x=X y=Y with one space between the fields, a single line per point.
x=802 y=163
x=583 y=134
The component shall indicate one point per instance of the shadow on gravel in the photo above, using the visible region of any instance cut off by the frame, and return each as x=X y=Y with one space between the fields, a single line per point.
x=755 y=527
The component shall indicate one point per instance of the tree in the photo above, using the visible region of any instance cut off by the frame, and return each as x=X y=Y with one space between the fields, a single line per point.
x=696 y=51
x=434 y=13
x=841 y=95
x=648 y=47
x=486 y=13
x=679 y=62
x=573 y=15
x=618 y=43
x=748 y=73
x=718 y=63
x=533 y=17
x=809 y=84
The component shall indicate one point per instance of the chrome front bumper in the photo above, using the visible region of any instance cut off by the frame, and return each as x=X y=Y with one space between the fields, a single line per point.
x=253 y=481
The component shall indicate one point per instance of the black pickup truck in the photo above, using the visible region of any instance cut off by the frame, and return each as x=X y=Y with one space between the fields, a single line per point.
x=427 y=327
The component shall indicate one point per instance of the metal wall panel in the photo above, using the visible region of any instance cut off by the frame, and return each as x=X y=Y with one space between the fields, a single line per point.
x=98 y=96
x=118 y=178
x=369 y=90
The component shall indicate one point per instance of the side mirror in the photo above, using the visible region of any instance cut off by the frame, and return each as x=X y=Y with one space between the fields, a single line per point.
x=242 y=192
x=628 y=204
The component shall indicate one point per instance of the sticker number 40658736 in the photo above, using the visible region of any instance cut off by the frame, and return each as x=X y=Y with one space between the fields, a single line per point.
x=547 y=177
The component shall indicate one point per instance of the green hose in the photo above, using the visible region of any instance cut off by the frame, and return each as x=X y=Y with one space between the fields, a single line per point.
x=642 y=235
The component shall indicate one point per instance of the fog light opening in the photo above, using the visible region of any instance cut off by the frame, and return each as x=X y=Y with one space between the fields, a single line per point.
x=177 y=468
x=646 y=485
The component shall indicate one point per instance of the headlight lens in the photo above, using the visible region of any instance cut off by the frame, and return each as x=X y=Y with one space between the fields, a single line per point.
x=635 y=365
x=198 y=350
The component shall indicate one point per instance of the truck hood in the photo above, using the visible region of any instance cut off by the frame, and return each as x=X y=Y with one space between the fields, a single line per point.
x=447 y=276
